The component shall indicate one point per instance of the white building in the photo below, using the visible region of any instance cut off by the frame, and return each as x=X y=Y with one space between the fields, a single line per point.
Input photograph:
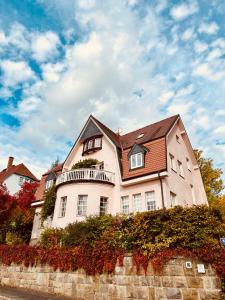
x=13 y=176
x=150 y=168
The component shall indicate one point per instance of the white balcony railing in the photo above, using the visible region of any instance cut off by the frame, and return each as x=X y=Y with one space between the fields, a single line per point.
x=86 y=174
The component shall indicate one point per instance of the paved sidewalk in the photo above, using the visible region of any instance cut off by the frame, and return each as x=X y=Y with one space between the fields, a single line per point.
x=7 y=293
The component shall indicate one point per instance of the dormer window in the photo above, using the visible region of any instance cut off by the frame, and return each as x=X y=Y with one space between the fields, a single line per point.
x=137 y=156
x=137 y=160
x=92 y=144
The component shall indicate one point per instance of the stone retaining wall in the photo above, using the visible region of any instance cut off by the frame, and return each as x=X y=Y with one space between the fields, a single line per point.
x=176 y=282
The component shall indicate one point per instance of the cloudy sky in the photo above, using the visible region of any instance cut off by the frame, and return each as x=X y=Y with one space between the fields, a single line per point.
x=128 y=62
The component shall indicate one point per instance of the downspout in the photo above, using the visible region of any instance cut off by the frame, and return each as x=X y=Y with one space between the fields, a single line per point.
x=162 y=195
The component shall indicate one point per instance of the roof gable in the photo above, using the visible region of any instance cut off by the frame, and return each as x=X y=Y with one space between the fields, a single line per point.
x=91 y=130
x=137 y=149
x=20 y=170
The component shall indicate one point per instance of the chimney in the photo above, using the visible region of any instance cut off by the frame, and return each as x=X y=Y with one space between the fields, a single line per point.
x=10 y=162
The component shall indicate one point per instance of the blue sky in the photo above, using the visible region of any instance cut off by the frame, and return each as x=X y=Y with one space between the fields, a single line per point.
x=130 y=63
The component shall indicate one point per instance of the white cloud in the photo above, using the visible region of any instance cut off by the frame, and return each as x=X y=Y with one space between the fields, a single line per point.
x=187 y=34
x=185 y=91
x=45 y=46
x=184 y=10
x=166 y=96
x=208 y=28
x=179 y=108
x=220 y=112
x=204 y=70
x=27 y=106
x=51 y=72
x=220 y=130
x=200 y=47
x=15 y=72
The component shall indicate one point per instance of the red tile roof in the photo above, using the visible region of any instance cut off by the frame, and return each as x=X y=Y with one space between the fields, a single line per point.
x=150 y=132
x=41 y=187
x=20 y=169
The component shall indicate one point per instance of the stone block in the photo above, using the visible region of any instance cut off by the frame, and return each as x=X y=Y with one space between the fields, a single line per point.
x=176 y=270
x=190 y=294
x=138 y=292
x=180 y=281
x=159 y=293
x=195 y=282
x=167 y=281
x=173 y=293
x=210 y=295
x=215 y=283
x=151 y=294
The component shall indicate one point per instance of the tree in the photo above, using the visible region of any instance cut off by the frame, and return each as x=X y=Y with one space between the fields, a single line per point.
x=16 y=213
x=211 y=177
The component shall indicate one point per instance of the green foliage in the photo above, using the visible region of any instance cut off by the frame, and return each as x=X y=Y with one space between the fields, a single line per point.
x=13 y=239
x=49 y=203
x=154 y=231
x=88 y=231
x=85 y=163
x=211 y=177
x=51 y=238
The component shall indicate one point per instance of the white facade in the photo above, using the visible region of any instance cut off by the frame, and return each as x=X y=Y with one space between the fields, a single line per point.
x=82 y=193
x=14 y=183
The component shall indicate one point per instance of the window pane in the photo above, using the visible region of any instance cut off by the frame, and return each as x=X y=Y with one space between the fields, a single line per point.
x=125 y=204
x=172 y=199
x=98 y=142
x=150 y=199
x=82 y=205
x=90 y=144
x=137 y=203
x=133 y=161
x=139 y=159
x=103 y=205
x=62 y=210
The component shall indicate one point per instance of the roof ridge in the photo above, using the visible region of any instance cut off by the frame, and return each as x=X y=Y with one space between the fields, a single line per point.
x=177 y=115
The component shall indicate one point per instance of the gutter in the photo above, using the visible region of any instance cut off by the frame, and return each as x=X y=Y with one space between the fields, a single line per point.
x=162 y=195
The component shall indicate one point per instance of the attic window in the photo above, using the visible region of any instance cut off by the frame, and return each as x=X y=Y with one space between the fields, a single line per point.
x=92 y=144
x=140 y=136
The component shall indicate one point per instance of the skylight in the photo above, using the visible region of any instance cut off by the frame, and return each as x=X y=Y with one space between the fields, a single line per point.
x=140 y=136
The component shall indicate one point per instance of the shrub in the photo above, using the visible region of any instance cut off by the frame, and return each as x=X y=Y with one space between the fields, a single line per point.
x=51 y=238
x=13 y=239
x=85 y=163
x=49 y=203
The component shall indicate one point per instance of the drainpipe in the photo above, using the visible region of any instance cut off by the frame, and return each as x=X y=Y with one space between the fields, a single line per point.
x=162 y=195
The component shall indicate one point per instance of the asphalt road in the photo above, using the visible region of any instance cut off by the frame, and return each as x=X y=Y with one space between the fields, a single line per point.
x=7 y=293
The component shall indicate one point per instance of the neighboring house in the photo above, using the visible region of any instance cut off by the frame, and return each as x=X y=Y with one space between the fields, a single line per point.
x=47 y=181
x=150 y=168
x=15 y=175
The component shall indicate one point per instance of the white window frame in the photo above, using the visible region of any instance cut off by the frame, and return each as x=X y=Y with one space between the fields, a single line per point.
x=103 y=208
x=125 y=205
x=135 y=162
x=172 y=162
x=62 y=207
x=49 y=184
x=21 y=180
x=150 y=200
x=82 y=205
x=97 y=142
x=180 y=167
x=173 y=199
x=137 y=202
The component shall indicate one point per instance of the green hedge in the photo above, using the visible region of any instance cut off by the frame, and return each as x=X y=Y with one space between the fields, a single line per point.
x=155 y=231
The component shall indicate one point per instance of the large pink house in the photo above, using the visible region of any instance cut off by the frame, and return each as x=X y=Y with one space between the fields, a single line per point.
x=150 y=168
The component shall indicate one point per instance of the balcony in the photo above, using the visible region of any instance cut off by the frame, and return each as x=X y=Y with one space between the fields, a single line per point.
x=82 y=175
